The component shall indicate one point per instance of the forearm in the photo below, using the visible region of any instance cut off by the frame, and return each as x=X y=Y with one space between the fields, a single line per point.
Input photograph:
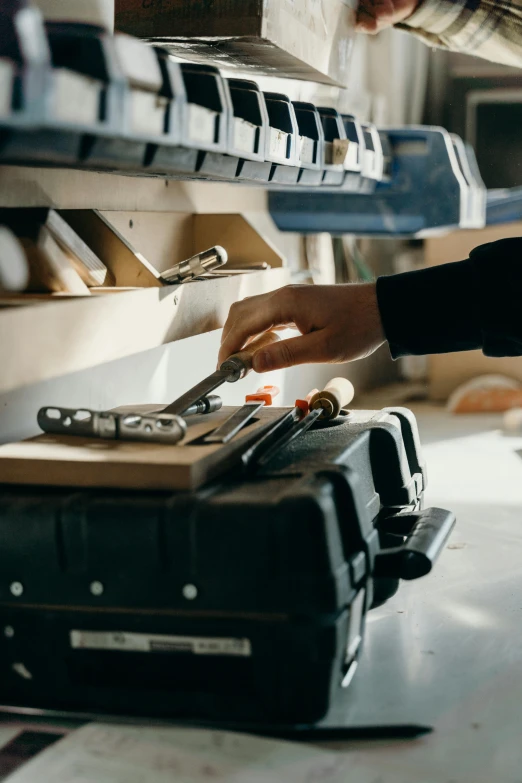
x=470 y=304
x=429 y=311
x=487 y=28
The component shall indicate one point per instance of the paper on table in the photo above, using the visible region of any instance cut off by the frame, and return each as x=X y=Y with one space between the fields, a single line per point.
x=103 y=753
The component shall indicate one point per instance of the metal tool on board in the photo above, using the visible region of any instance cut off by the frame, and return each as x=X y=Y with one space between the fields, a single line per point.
x=240 y=418
x=156 y=427
x=233 y=369
x=151 y=427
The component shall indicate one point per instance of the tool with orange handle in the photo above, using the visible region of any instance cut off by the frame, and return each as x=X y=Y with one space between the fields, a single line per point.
x=277 y=431
x=325 y=404
x=233 y=369
x=240 y=418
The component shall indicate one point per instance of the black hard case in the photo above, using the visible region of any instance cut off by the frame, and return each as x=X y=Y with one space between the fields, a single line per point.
x=284 y=559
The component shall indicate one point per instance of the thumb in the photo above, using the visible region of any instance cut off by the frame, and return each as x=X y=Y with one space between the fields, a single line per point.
x=306 y=349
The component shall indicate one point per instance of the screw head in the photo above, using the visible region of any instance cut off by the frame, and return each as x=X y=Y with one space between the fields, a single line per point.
x=9 y=631
x=190 y=592
x=96 y=588
x=16 y=589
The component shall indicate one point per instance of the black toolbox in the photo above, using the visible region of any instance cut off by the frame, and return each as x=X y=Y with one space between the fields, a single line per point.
x=244 y=601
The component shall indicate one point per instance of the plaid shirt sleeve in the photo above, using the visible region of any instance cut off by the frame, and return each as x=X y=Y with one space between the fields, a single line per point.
x=491 y=29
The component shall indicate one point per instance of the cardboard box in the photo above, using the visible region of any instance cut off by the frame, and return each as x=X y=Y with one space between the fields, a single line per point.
x=301 y=39
x=447 y=371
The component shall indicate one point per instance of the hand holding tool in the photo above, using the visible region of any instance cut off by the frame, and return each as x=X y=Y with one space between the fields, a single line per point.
x=233 y=369
x=241 y=417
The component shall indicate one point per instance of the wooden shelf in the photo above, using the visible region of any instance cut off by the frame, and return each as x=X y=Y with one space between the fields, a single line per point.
x=24 y=186
x=53 y=338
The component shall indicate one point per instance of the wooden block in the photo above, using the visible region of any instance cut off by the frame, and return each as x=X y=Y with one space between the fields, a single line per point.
x=50 y=268
x=301 y=39
x=28 y=224
x=90 y=268
x=69 y=461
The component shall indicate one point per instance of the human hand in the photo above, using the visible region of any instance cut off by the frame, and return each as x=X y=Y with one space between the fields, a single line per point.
x=375 y=15
x=338 y=323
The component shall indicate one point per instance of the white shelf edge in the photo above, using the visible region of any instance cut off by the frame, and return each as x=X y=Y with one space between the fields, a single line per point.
x=25 y=186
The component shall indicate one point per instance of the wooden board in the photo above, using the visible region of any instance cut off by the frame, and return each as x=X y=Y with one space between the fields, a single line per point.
x=69 y=461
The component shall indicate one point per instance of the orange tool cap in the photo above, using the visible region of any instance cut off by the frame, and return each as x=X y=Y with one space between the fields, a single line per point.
x=266 y=394
x=304 y=405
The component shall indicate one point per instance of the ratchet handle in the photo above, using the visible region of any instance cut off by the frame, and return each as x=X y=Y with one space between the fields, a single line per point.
x=240 y=364
x=426 y=535
x=336 y=395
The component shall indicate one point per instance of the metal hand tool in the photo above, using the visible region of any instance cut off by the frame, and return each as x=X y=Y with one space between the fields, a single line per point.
x=209 y=404
x=233 y=369
x=325 y=404
x=244 y=270
x=241 y=417
x=156 y=427
x=280 y=427
x=196 y=266
x=151 y=427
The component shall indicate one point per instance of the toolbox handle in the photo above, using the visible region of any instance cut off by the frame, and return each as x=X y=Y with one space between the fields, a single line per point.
x=427 y=532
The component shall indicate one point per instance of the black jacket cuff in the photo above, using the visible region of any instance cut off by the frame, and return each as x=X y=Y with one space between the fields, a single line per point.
x=434 y=310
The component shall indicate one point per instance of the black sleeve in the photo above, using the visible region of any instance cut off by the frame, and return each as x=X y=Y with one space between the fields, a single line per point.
x=476 y=303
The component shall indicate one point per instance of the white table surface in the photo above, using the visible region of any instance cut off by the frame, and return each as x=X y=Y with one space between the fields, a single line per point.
x=447 y=650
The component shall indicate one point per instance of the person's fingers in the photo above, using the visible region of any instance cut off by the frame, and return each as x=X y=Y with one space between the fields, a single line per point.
x=239 y=308
x=366 y=22
x=305 y=349
x=249 y=319
x=374 y=15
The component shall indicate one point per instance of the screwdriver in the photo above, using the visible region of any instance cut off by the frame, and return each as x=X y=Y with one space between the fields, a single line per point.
x=233 y=369
x=240 y=418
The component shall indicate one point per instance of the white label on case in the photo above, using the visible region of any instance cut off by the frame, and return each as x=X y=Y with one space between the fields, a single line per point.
x=142 y=642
